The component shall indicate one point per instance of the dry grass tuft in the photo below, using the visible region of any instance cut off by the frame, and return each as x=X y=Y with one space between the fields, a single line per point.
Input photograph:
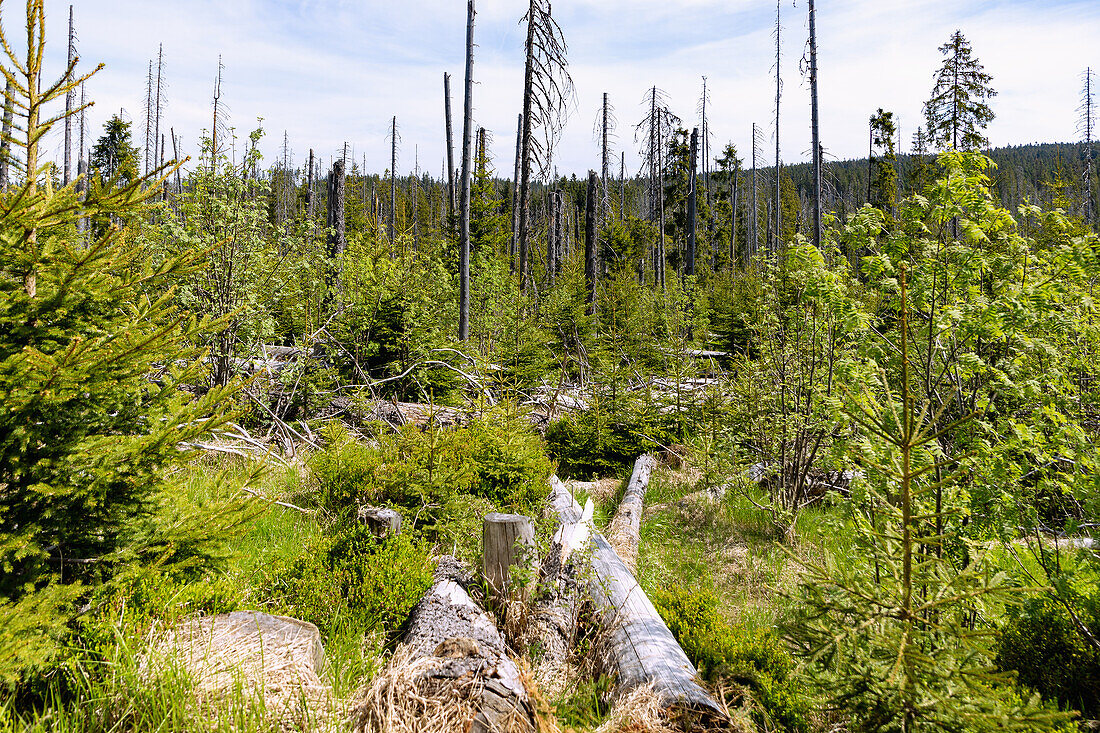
x=405 y=698
x=641 y=711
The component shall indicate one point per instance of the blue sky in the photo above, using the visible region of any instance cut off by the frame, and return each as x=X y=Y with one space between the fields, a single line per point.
x=329 y=71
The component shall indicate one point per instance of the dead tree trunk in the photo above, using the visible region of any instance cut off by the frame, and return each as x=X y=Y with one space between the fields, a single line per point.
x=816 y=137
x=624 y=533
x=515 y=193
x=525 y=146
x=690 y=270
x=69 y=96
x=450 y=144
x=335 y=222
x=467 y=132
x=393 y=181
x=590 y=241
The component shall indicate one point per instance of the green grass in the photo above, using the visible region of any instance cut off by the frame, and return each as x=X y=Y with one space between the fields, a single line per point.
x=731 y=546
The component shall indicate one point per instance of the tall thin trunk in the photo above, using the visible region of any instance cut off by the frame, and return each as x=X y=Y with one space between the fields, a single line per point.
x=692 y=202
x=755 y=221
x=604 y=160
x=870 y=155
x=1088 y=146
x=464 y=224
x=416 y=198
x=450 y=143
x=513 y=240
x=335 y=239
x=69 y=103
x=214 y=126
x=175 y=156
x=590 y=242
x=5 y=138
x=778 y=93
x=156 y=107
x=393 y=180
x=309 y=188
x=622 y=185
x=149 y=114
x=660 y=272
x=525 y=137
x=816 y=138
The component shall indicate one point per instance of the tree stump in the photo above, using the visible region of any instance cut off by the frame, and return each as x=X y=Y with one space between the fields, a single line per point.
x=507 y=540
x=382 y=523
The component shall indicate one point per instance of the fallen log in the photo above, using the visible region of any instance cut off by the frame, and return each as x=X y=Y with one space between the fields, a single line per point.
x=624 y=532
x=453 y=666
x=552 y=623
x=638 y=648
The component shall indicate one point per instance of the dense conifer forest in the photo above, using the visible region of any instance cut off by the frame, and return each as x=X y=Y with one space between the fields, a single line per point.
x=716 y=444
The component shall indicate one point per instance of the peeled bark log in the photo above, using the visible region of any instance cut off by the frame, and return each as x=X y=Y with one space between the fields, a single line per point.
x=638 y=649
x=552 y=623
x=450 y=627
x=624 y=534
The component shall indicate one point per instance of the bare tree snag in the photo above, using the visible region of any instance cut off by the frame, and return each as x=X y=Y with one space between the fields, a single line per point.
x=624 y=533
x=335 y=238
x=69 y=98
x=507 y=540
x=692 y=197
x=467 y=142
x=590 y=241
x=450 y=145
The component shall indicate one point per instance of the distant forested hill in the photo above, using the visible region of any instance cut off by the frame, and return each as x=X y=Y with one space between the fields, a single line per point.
x=1049 y=174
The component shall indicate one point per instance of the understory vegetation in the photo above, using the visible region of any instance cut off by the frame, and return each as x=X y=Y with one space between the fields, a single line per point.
x=879 y=466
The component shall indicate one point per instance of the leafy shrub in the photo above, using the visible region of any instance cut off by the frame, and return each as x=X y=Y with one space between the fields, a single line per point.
x=351 y=579
x=1048 y=653
x=493 y=457
x=726 y=653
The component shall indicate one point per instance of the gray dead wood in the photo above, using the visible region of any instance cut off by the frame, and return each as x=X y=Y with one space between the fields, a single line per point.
x=638 y=648
x=624 y=533
x=552 y=623
x=381 y=522
x=507 y=540
x=447 y=625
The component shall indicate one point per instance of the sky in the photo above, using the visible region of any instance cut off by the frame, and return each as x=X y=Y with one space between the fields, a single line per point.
x=329 y=72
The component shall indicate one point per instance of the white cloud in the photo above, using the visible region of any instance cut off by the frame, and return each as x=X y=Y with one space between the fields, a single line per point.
x=334 y=70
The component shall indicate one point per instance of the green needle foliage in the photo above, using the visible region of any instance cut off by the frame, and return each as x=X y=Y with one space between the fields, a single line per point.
x=91 y=410
x=896 y=632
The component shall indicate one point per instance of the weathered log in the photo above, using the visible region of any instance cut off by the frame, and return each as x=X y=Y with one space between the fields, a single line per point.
x=638 y=649
x=624 y=533
x=381 y=522
x=465 y=645
x=507 y=540
x=552 y=623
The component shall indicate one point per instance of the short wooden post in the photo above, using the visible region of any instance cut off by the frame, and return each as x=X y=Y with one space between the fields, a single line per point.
x=507 y=539
x=382 y=523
